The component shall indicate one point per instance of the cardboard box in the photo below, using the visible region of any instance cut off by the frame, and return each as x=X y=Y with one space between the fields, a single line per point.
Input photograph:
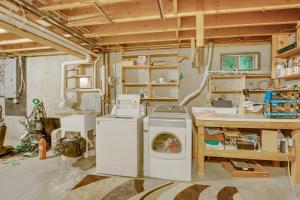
x=269 y=141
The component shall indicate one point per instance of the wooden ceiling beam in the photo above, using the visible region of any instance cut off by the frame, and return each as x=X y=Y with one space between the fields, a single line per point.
x=20 y=46
x=41 y=52
x=160 y=9
x=25 y=49
x=22 y=33
x=208 y=34
x=148 y=37
x=249 y=31
x=146 y=10
x=272 y=17
x=132 y=28
x=8 y=36
x=100 y=9
x=70 y=4
x=189 y=23
x=175 y=7
x=186 y=43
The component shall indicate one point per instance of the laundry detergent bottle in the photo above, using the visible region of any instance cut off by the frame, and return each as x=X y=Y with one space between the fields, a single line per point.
x=42 y=148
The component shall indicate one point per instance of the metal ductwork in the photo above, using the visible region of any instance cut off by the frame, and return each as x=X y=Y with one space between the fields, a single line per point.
x=188 y=98
x=9 y=20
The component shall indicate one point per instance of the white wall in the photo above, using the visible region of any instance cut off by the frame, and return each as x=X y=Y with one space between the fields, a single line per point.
x=44 y=74
x=44 y=81
x=191 y=77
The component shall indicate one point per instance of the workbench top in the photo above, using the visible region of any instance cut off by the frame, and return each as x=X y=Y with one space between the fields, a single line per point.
x=228 y=119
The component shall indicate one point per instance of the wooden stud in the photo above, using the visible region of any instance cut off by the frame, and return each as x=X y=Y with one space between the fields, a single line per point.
x=298 y=34
x=295 y=166
x=201 y=147
x=199 y=29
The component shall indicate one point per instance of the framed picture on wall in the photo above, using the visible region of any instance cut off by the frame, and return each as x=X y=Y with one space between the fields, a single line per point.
x=248 y=61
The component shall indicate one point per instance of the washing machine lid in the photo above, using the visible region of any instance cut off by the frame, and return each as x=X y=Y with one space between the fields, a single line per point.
x=170 y=112
x=170 y=109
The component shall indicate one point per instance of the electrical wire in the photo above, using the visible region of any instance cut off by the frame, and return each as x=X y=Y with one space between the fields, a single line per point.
x=24 y=21
x=22 y=86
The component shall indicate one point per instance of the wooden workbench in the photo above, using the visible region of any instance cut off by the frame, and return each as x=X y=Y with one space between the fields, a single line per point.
x=256 y=122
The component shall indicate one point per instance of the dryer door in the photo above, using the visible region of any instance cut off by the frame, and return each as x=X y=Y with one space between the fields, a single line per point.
x=167 y=143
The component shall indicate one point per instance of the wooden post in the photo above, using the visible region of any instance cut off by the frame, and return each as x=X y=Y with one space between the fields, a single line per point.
x=200 y=143
x=295 y=167
x=242 y=97
x=298 y=34
x=278 y=41
x=200 y=29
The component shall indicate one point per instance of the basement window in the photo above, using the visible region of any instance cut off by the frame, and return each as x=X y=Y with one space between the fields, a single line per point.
x=240 y=61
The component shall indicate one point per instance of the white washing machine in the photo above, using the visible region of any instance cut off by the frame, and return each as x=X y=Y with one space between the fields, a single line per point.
x=119 y=146
x=119 y=139
x=168 y=143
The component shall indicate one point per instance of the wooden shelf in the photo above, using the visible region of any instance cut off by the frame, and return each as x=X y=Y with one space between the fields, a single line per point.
x=258 y=76
x=80 y=76
x=153 y=67
x=289 y=53
x=136 y=67
x=163 y=54
x=153 y=84
x=133 y=55
x=74 y=69
x=226 y=91
x=236 y=91
x=257 y=91
x=160 y=99
x=135 y=84
x=90 y=89
x=164 y=84
x=167 y=87
x=249 y=154
x=237 y=76
x=292 y=76
x=283 y=90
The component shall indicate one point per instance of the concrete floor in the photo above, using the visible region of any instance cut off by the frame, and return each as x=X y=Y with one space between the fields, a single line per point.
x=32 y=179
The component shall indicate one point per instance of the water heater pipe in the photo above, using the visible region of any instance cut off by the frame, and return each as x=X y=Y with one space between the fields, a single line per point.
x=80 y=62
x=197 y=92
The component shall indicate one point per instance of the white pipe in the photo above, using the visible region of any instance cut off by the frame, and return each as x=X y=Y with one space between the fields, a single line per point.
x=34 y=28
x=103 y=80
x=79 y=62
x=63 y=74
x=197 y=92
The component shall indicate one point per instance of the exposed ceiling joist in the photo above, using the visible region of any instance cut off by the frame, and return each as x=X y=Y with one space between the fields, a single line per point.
x=208 y=34
x=39 y=52
x=175 y=7
x=100 y=9
x=22 y=33
x=249 y=31
x=189 y=23
x=8 y=36
x=160 y=9
x=70 y=4
x=185 y=8
x=9 y=47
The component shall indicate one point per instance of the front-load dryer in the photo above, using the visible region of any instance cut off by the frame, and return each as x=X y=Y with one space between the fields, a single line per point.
x=168 y=143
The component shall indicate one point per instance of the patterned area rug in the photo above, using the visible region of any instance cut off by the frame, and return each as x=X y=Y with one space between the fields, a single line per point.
x=94 y=187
